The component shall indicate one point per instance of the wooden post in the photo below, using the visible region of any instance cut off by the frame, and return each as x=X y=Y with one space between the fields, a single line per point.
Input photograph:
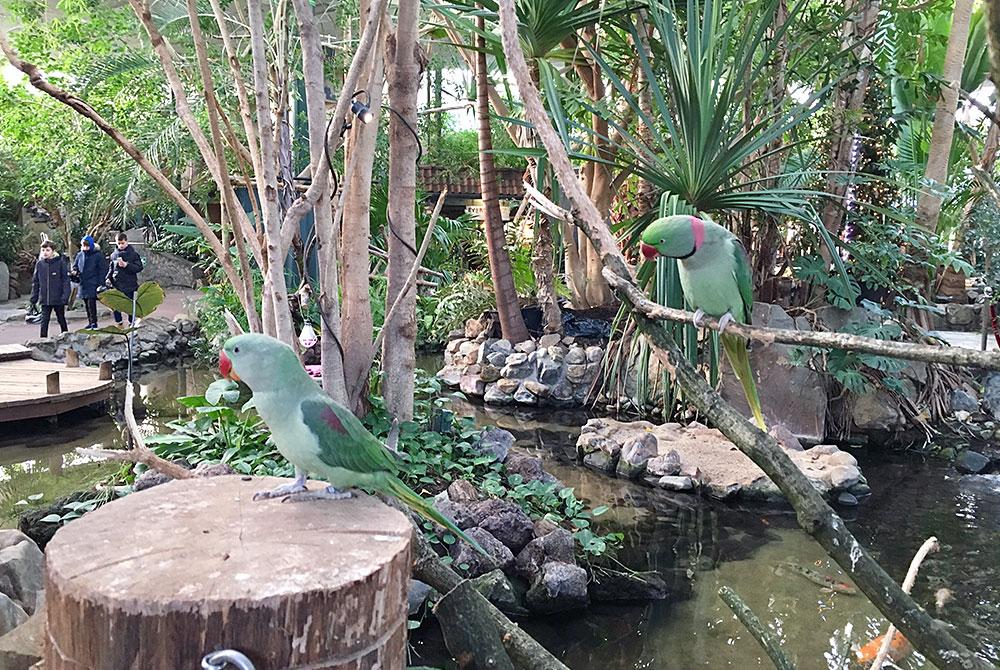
x=104 y=371
x=72 y=358
x=202 y=567
x=52 y=383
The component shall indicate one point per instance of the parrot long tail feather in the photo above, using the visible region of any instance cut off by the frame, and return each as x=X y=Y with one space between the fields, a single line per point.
x=412 y=499
x=739 y=358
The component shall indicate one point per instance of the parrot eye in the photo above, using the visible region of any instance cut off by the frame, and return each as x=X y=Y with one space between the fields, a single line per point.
x=662 y=240
x=236 y=350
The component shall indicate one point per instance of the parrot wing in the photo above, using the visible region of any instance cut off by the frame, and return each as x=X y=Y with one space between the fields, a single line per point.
x=744 y=280
x=344 y=441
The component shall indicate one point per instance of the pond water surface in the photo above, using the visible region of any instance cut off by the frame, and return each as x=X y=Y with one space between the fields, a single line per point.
x=697 y=546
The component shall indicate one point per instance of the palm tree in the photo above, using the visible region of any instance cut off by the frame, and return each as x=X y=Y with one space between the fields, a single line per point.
x=511 y=322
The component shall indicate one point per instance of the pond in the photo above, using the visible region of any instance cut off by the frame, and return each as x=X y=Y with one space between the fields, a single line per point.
x=698 y=546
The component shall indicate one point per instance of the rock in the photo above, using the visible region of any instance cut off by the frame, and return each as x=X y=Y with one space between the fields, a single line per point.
x=522 y=396
x=545 y=526
x=548 y=371
x=494 y=396
x=528 y=467
x=675 y=483
x=4 y=281
x=876 y=411
x=206 y=469
x=634 y=456
x=860 y=490
x=485 y=349
x=615 y=586
x=963 y=401
x=602 y=460
x=22 y=648
x=496 y=587
x=526 y=347
x=568 y=341
x=462 y=491
x=513 y=528
x=847 y=499
x=794 y=396
x=472 y=385
x=557 y=353
x=454 y=343
x=785 y=438
x=22 y=567
x=960 y=315
x=496 y=442
x=416 y=596
x=761 y=489
x=536 y=389
x=844 y=476
x=576 y=356
x=576 y=373
x=558 y=588
x=451 y=375
x=969 y=462
x=474 y=328
x=491 y=507
x=149 y=479
x=508 y=385
x=842 y=458
x=477 y=564
x=12 y=615
x=489 y=373
x=503 y=346
x=516 y=371
x=546 y=341
x=991 y=394
x=664 y=465
x=497 y=359
x=463 y=514
x=594 y=354
x=466 y=350
x=722 y=491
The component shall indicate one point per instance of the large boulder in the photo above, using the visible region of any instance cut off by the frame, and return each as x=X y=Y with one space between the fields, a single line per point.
x=22 y=567
x=559 y=587
x=991 y=394
x=557 y=545
x=791 y=395
x=473 y=563
x=22 y=648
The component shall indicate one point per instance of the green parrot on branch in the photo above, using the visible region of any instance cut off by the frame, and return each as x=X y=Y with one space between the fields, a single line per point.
x=315 y=433
x=716 y=280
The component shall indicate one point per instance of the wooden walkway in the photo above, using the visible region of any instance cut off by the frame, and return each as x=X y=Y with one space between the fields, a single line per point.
x=33 y=389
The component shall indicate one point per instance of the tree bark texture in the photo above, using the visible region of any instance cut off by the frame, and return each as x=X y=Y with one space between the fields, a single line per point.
x=470 y=633
x=939 y=153
x=847 y=106
x=399 y=348
x=928 y=635
x=767 y=641
x=508 y=307
x=356 y=313
x=993 y=36
x=324 y=587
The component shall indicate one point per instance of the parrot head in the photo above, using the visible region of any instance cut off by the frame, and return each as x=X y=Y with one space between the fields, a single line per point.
x=257 y=360
x=677 y=236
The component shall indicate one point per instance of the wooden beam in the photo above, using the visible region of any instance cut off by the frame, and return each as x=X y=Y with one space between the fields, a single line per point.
x=52 y=383
x=72 y=358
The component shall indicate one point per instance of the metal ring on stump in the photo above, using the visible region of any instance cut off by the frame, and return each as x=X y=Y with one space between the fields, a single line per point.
x=160 y=578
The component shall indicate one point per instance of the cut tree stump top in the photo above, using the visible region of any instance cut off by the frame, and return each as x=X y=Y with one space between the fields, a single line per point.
x=161 y=577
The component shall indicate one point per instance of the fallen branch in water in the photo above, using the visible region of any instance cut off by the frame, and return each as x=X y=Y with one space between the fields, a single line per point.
x=928 y=635
x=771 y=646
x=929 y=545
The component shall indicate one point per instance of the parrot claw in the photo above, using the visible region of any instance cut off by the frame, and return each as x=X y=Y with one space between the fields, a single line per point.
x=698 y=316
x=329 y=493
x=725 y=320
x=281 y=491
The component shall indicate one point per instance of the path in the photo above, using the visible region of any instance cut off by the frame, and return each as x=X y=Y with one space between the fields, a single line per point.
x=967 y=340
x=13 y=329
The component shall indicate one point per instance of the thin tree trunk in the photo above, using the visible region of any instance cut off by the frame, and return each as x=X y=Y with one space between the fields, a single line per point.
x=993 y=36
x=399 y=348
x=847 y=105
x=356 y=286
x=936 y=173
x=511 y=322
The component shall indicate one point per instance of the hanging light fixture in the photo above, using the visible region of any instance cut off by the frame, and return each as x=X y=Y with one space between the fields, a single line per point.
x=307 y=338
x=362 y=111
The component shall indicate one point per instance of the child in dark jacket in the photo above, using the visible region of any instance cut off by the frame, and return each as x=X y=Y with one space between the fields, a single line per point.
x=89 y=270
x=124 y=267
x=50 y=286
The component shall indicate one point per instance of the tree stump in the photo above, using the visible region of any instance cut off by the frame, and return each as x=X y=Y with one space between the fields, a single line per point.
x=162 y=577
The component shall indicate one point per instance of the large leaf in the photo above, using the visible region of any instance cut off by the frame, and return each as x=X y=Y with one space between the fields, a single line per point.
x=147 y=299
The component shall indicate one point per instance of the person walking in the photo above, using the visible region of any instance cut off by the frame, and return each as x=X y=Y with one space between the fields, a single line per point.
x=50 y=286
x=89 y=268
x=124 y=267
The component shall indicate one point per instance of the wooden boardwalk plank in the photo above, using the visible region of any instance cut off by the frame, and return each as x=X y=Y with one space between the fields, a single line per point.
x=13 y=352
x=23 y=392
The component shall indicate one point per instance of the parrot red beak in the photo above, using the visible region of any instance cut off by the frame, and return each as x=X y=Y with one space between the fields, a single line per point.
x=649 y=252
x=226 y=367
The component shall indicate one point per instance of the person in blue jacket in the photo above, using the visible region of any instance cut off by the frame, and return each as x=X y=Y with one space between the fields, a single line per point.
x=89 y=270
x=50 y=286
x=124 y=267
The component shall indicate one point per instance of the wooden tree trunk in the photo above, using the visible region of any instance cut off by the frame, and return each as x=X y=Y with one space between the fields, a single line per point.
x=202 y=567
x=399 y=348
x=939 y=153
x=511 y=322
x=355 y=262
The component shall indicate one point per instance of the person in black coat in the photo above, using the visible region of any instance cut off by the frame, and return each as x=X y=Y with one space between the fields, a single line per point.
x=124 y=267
x=89 y=270
x=50 y=286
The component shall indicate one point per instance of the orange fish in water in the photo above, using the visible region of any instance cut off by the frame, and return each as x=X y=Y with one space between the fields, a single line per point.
x=899 y=649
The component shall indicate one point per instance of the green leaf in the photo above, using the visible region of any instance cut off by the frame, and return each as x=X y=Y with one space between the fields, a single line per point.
x=51 y=518
x=598 y=511
x=222 y=390
x=147 y=298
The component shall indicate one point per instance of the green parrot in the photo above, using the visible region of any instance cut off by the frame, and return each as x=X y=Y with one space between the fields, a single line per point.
x=715 y=277
x=316 y=434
